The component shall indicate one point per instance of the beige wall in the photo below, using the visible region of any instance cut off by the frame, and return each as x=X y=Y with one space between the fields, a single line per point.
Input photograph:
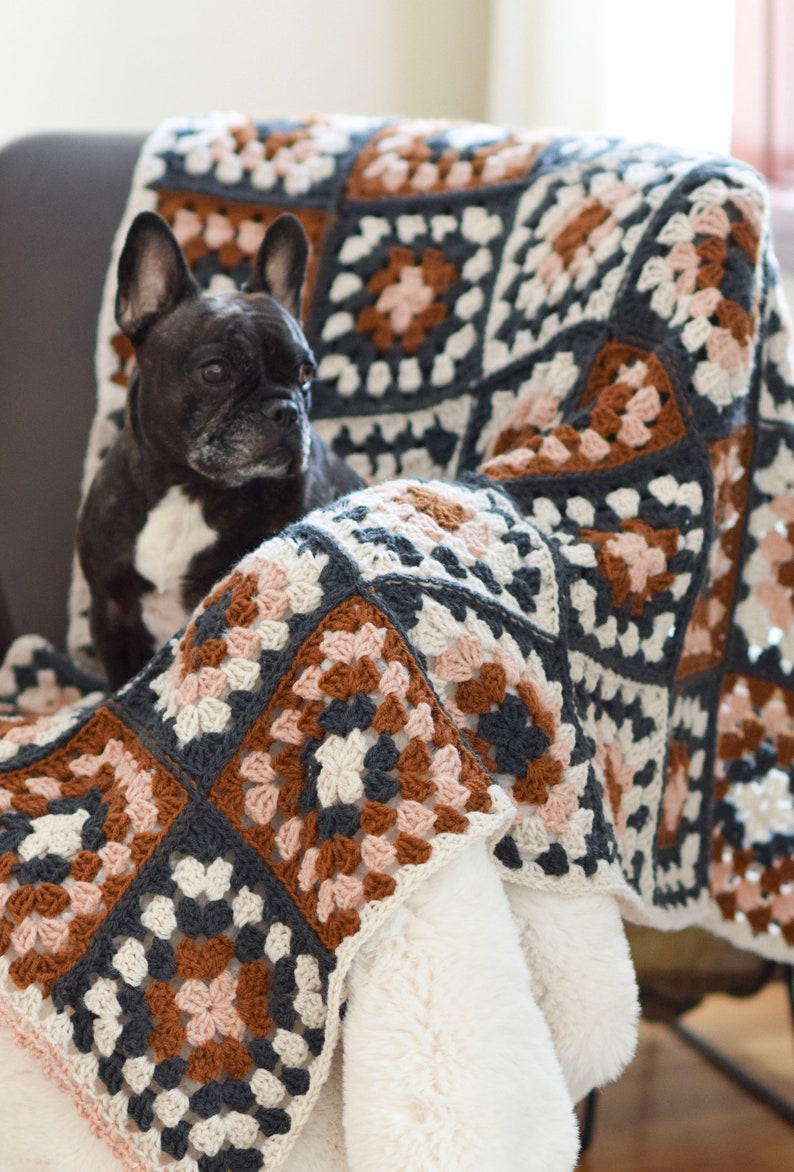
x=100 y=64
x=604 y=65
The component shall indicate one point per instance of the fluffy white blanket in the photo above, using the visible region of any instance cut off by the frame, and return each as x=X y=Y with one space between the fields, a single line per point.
x=474 y=1022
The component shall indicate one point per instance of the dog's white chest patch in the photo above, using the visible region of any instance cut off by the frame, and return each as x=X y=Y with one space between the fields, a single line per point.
x=175 y=531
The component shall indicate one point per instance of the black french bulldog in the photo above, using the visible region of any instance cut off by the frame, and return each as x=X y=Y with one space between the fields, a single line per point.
x=216 y=452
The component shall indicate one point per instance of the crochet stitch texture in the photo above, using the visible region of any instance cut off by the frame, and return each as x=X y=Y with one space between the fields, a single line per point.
x=567 y=626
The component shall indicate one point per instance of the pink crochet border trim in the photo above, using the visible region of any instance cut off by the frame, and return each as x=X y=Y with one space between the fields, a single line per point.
x=56 y=1067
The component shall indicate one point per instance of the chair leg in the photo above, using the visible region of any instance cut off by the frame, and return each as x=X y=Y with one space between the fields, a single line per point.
x=736 y=1072
x=588 y=1120
x=733 y=1070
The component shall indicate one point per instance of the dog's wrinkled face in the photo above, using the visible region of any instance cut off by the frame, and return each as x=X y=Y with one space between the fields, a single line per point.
x=221 y=386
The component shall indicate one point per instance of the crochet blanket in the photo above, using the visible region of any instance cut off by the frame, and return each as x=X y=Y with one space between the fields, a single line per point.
x=567 y=626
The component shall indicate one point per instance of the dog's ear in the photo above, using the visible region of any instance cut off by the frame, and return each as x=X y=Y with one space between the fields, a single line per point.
x=280 y=265
x=153 y=276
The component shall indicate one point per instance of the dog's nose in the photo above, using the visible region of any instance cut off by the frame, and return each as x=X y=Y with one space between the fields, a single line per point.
x=282 y=412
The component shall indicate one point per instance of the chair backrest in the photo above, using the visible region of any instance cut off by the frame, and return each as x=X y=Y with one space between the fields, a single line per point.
x=61 y=198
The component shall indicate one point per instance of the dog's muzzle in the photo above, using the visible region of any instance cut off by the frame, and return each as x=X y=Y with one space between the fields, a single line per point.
x=292 y=426
x=282 y=412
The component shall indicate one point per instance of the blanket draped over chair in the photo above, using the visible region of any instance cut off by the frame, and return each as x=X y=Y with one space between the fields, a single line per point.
x=560 y=619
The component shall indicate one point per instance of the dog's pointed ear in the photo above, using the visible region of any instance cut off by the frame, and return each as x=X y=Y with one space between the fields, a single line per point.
x=280 y=265
x=153 y=276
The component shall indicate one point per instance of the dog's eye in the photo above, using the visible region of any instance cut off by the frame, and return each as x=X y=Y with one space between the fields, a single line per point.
x=215 y=372
x=306 y=373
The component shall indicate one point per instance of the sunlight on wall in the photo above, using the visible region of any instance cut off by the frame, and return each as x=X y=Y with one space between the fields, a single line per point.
x=627 y=67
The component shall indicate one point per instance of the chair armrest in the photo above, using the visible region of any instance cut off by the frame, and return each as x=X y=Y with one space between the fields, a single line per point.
x=61 y=199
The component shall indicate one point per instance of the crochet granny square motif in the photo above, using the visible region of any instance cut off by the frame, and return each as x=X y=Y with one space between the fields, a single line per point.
x=561 y=617
x=178 y=911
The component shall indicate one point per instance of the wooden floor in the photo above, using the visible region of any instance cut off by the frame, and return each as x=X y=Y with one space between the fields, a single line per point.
x=673 y=1112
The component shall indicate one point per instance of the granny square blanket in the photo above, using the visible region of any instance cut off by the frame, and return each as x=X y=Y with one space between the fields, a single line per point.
x=561 y=618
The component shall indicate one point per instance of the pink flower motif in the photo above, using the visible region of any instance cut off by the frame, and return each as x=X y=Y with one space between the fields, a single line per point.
x=642 y=561
x=345 y=891
x=271 y=599
x=89 y=764
x=632 y=374
x=675 y=794
x=257 y=767
x=420 y=722
x=250 y=233
x=115 y=858
x=748 y=895
x=550 y=268
x=553 y=449
x=307 y=685
x=288 y=838
x=461 y=662
x=413 y=818
x=783 y=906
x=351 y=646
x=261 y=803
x=406 y=298
x=775 y=717
x=683 y=259
x=25 y=733
x=377 y=853
x=642 y=408
x=243 y=643
x=445 y=772
x=460 y=173
x=747 y=204
x=348 y=891
x=24 y=936
x=219 y=230
x=286 y=727
x=783 y=506
x=86 y=898
x=54 y=935
x=698 y=639
x=724 y=349
x=704 y=303
x=140 y=807
x=391 y=170
x=561 y=803
x=187 y=226
x=539 y=409
x=45 y=787
x=307 y=875
x=721 y=876
x=395 y=680
x=212 y=682
x=619 y=777
x=188 y=691
x=251 y=156
x=777 y=601
x=211 y=1009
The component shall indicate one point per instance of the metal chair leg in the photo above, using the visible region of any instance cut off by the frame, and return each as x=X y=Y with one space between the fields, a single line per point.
x=588 y=1120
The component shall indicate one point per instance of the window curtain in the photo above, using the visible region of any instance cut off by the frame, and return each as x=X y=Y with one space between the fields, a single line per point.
x=763 y=119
